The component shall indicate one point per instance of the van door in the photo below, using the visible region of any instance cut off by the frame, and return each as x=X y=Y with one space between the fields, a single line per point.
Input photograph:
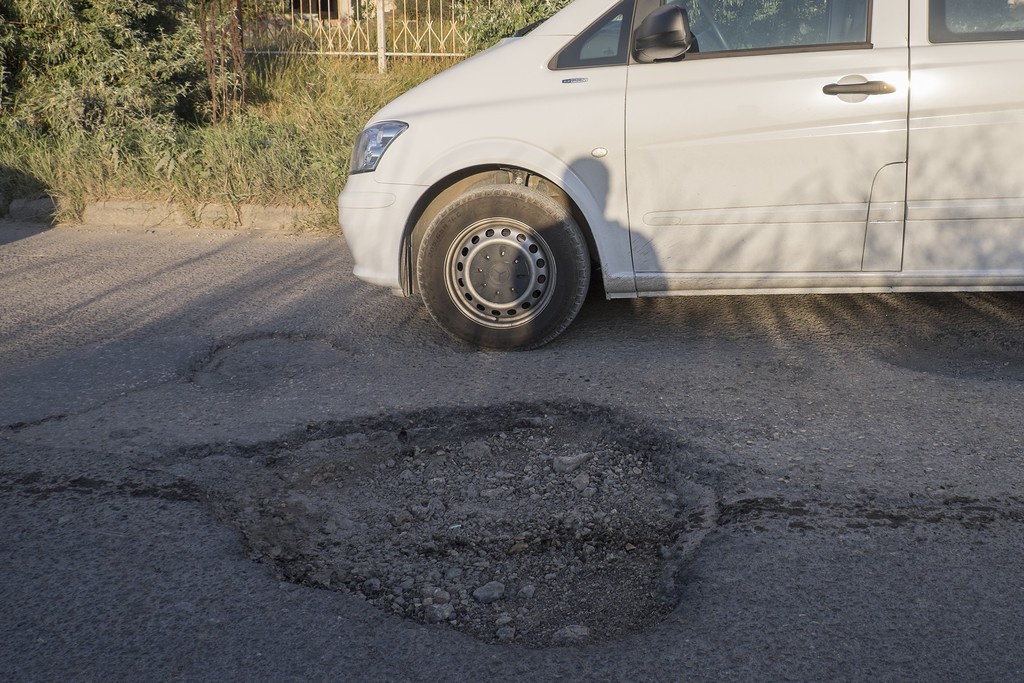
x=965 y=195
x=756 y=152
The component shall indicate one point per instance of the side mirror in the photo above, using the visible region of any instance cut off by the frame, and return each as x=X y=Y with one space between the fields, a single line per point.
x=663 y=34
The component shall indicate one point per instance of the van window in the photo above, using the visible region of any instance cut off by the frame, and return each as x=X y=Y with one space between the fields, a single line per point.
x=727 y=25
x=604 y=43
x=952 y=21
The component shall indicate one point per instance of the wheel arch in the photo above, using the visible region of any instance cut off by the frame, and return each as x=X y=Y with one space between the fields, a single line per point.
x=445 y=190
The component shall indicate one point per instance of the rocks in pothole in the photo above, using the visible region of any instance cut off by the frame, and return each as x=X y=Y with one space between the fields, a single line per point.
x=570 y=463
x=489 y=592
x=574 y=634
x=517 y=537
x=437 y=613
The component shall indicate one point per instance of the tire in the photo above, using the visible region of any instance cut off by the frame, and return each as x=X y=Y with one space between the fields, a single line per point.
x=503 y=267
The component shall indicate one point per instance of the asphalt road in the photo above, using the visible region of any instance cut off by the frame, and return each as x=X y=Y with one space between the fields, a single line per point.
x=862 y=455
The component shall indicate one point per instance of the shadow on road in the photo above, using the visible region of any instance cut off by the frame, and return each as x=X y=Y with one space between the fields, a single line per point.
x=16 y=185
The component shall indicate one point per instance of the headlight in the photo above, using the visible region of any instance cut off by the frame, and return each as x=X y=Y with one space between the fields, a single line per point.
x=372 y=143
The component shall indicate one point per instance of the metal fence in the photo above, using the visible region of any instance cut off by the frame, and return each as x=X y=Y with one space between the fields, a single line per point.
x=371 y=28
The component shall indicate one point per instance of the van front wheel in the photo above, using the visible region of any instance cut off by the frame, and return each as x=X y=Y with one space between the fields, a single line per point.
x=504 y=267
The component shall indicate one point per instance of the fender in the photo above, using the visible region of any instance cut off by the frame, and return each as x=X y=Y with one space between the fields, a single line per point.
x=605 y=215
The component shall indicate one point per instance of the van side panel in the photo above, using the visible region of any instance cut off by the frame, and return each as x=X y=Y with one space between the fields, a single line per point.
x=741 y=162
x=965 y=191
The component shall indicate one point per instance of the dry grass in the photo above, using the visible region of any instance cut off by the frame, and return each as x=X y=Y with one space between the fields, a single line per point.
x=291 y=146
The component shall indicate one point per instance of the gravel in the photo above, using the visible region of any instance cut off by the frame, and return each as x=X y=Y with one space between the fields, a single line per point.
x=540 y=532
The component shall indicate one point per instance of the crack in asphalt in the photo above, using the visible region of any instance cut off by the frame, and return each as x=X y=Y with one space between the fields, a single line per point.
x=971 y=513
x=196 y=366
x=16 y=427
x=36 y=485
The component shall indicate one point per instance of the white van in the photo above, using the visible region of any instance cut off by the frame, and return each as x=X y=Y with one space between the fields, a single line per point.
x=700 y=147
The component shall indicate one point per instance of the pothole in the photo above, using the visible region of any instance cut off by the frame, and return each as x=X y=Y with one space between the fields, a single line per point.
x=535 y=529
x=261 y=360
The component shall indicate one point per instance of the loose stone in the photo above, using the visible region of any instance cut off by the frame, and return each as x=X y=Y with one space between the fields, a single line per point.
x=570 y=463
x=527 y=592
x=489 y=592
x=476 y=450
x=437 y=613
x=570 y=635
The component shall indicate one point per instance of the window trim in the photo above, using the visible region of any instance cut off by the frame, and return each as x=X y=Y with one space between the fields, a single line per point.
x=866 y=44
x=627 y=9
x=785 y=50
x=940 y=33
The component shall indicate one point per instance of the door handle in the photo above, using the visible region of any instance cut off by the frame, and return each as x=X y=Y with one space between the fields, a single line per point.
x=866 y=88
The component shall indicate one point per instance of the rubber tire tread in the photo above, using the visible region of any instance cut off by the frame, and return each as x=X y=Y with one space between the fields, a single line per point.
x=549 y=219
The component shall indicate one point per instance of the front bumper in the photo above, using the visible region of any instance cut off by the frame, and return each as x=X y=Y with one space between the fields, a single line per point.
x=373 y=218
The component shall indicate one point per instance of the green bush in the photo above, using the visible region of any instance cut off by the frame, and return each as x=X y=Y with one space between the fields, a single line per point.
x=8 y=45
x=486 y=24
x=89 y=64
x=109 y=99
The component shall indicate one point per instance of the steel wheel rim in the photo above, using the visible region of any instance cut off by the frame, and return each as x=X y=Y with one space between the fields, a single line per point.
x=499 y=273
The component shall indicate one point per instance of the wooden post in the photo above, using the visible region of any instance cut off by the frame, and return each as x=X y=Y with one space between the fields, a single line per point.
x=382 y=58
